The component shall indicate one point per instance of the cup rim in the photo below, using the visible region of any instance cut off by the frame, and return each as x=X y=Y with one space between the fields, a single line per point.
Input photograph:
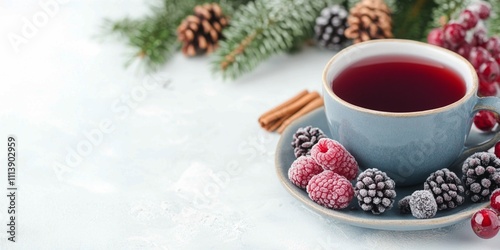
x=470 y=92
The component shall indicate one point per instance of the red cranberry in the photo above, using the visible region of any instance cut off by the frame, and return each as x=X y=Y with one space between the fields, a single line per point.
x=489 y=70
x=493 y=45
x=485 y=120
x=454 y=33
x=485 y=223
x=497 y=149
x=495 y=196
x=477 y=56
x=484 y=10
x=469 y=19
x=464 y=50
x=487 y=88
x=479 y=37
x=435 y=37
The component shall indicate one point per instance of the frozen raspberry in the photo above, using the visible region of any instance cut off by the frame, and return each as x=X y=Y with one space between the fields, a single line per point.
x=330 y=190
x=331 y=155
x=423 y=205
x=302 y=170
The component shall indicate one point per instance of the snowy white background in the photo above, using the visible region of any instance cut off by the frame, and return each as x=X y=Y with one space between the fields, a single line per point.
x=181 y=162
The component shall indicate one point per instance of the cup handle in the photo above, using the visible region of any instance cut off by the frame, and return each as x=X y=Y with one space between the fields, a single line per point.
x=483 y=103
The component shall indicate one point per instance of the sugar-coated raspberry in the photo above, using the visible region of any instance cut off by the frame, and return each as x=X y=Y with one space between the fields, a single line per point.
x=302 y=170
x=331 y=155
x=330 y=190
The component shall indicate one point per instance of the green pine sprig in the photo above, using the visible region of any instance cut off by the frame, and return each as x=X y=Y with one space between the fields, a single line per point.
x=447 y=10
x=264 y=28
x=494 y=20
x=153 y=38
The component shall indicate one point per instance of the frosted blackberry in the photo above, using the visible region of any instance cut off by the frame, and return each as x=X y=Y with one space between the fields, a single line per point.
x=375 y=191
x=304 y=139
x=481 y=175
x=330 y=27
x=446 y=188
x=404 y=205
x=422 y=204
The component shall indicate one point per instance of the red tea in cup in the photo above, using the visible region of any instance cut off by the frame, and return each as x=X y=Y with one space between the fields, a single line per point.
x=399 y=84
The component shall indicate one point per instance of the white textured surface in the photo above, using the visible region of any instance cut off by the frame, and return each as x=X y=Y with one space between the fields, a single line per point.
x=186 y=165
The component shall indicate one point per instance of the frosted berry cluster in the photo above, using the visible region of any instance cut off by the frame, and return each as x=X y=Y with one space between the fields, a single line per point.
x=486 y=222
x=325 y=172
x=468 y=37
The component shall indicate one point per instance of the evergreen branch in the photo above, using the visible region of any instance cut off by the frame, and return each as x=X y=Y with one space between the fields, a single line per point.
x=446 y=10
x=494 y=20
x=263 y=28
x=412 y=18
x=153 y=37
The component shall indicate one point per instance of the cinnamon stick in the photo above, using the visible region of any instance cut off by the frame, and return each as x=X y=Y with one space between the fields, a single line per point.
x=289 y=109
x=283 y=105
x=276 y=124
x=316 y=103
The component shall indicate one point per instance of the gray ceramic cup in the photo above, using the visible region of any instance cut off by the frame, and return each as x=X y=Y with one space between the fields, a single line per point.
x=407 y=146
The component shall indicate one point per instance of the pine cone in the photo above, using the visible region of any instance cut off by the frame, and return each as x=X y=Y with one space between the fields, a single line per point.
x=330 y=27
x=200 y=33
x=481 y=175
x=304 y=139
x=369 y=19
x=446 y=188
x=375 y=191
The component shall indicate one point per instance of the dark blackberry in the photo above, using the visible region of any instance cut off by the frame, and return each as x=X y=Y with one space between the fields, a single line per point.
x=446 y=188
x=304 y=139
x=404 y=205
x=375 y=191
x=481 y=175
